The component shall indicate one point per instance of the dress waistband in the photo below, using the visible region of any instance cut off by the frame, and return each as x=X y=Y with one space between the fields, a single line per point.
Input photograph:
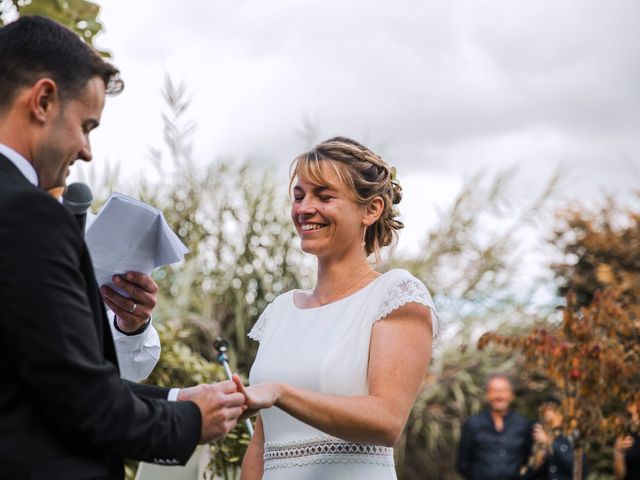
x=323 y=450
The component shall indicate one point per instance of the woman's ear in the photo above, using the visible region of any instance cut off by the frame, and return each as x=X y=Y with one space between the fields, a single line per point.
x=373 y=211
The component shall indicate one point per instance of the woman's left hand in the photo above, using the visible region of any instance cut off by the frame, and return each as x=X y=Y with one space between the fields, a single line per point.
x=258 y=397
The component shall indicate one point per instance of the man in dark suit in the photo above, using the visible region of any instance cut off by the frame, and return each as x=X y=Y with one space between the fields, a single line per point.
x=64 y=411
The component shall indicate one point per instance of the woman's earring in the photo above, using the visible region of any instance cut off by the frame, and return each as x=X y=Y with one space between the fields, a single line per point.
x=364 y=234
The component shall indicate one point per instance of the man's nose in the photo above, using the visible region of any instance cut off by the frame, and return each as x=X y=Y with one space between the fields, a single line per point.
x=85 y=153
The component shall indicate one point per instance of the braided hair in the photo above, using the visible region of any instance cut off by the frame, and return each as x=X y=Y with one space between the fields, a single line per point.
x=366 y=174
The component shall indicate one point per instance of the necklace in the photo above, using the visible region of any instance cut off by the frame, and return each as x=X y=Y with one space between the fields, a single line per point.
x=341 y=292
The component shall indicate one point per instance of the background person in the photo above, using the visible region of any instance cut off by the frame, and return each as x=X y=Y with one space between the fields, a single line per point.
x=495 y=444
x=554 y=455
x=626 y=450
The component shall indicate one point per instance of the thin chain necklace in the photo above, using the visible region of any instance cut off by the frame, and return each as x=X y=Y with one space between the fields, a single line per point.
x=341 y=292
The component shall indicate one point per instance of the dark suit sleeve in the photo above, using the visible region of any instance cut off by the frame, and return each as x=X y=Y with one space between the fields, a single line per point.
x=465 y=450
x=50 y=333
x=151 y=391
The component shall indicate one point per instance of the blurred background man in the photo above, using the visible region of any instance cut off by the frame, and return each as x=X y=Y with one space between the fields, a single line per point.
x=495 y=443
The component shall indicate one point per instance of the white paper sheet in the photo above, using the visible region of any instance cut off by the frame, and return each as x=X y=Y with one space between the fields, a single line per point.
x=129 y=235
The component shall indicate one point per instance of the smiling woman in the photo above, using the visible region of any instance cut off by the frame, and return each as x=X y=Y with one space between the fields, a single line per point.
x=364 y=178
x=329 y=358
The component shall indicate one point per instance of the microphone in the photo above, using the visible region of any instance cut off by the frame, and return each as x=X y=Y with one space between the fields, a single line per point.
x=77 y=198
x=221 y=345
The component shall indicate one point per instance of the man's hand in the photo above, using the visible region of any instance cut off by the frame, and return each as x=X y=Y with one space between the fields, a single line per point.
x=131 y=313
x=220 y=404
x=258 y=397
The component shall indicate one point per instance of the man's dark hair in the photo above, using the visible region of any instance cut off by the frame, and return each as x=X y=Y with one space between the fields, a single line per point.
x=35 y=47
x=500 y=375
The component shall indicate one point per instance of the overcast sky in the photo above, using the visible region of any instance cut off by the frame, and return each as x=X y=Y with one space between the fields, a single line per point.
x=442 y=88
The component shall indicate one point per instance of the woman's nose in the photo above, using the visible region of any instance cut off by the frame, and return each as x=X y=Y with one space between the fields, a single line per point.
x=307 y=206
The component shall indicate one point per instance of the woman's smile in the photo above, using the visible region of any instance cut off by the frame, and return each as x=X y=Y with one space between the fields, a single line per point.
x=311 y=227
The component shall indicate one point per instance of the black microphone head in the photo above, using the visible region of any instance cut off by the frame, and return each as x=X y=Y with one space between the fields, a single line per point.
x=220 y=344
x=77 y=198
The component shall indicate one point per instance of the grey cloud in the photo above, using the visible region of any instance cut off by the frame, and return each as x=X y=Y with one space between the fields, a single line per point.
x=440 y=86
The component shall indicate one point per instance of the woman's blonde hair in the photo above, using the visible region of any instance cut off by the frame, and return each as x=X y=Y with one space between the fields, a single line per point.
x=365 y=174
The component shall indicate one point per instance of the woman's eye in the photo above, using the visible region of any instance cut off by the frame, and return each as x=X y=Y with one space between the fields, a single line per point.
x=325 y=198
x=298 y=198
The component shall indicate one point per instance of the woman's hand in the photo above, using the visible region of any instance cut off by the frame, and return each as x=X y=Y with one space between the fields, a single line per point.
x=540 y=436
x=623 y=444
x=258 y=397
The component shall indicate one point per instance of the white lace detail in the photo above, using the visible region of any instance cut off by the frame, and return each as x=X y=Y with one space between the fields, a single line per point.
x=323 y=450
x=405 y=291
x=258 y=328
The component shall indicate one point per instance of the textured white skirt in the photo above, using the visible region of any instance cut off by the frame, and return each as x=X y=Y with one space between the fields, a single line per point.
x=324 y=458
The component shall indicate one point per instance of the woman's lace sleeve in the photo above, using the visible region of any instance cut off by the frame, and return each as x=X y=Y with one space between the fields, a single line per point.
x=409 y=290
x=258 y=329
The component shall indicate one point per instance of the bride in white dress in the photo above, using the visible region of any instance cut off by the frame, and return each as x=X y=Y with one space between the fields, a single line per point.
x=339 y=367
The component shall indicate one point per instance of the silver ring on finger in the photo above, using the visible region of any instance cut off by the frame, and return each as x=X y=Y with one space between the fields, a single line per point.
x=133 y=308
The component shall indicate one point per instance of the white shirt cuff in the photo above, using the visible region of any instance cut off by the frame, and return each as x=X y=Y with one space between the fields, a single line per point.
x=173 y=395
x=137 y=354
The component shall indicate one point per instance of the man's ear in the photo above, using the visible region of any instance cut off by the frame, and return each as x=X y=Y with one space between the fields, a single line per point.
x=373 y=211
x=42 y=99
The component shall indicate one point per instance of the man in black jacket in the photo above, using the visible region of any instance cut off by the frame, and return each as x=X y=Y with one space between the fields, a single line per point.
x=495 y=444
x=64 y=412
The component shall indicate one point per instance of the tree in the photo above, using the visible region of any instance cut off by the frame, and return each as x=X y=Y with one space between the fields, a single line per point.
x=588 y=361
x=591 y=355
x=601 y=250
x=81 y=16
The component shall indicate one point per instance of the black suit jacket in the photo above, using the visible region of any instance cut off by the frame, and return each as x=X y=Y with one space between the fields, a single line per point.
x=64 y=411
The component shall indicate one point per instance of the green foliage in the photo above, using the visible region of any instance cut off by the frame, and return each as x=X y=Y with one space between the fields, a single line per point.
x=226 y=456
x=81 y=16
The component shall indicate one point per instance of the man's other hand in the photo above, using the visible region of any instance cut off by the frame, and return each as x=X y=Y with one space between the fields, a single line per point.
x=131 y=313
x=220 y=404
